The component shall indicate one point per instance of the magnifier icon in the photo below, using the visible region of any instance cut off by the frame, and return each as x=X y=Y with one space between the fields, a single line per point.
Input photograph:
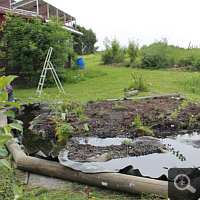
x=179 y=179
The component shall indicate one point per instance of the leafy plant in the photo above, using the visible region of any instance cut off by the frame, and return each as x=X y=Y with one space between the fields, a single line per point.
x=126 y=142
x=4 y=130
x=173 y=115
x=101 y=112
x=192 y=120
x=182 y=124
x=64 y=132
x=139 y=124
x=156 y=108
x=82 y=118
x=86 y=127
x=138 y=121
x=161 y=116
x=118 y=107
x=138 y=82
x=183 y=105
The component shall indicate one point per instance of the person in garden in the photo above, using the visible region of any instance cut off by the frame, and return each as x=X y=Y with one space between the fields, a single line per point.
x=10 y=92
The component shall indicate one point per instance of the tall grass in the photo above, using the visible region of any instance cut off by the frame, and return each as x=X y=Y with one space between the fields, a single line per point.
x=190 y=82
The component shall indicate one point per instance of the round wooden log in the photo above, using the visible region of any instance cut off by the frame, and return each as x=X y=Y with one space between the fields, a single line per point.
x=115 y=181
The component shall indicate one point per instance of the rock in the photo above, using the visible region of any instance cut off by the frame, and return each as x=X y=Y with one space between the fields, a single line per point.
x=42 y=133
x=30 y=127
x=100 y=158
x=198 y=116
x=132 y=93
x=19 y=122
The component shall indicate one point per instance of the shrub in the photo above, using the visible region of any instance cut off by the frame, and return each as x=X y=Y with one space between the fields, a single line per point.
x=156 y=55
x=132 y=50
x=113 y=52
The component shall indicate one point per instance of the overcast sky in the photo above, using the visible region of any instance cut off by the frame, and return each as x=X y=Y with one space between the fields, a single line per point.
x=145 y=20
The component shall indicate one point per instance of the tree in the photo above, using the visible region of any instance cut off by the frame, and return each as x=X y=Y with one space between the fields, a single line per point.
x=29 y=40
x=89 y=39
x=113 y=53
x=132 y=50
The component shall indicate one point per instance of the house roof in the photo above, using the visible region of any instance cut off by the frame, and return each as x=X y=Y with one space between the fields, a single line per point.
x=35 y=8
x=40 y=9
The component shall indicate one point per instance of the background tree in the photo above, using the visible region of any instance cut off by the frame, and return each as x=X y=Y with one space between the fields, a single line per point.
x=29 y=41
x=89 y=39
x=133 y=48
x=113 y=52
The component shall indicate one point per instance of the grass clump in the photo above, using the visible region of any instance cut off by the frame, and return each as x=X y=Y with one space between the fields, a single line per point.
x=126 y=142
x=139 y=124
x=138 y=83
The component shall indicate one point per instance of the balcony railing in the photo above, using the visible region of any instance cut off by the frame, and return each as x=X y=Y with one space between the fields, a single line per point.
x=21 y=12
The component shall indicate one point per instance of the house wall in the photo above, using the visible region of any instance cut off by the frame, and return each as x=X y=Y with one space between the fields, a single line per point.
x=1 y=18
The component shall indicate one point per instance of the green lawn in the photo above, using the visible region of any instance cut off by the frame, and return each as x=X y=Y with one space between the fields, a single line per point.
x=111 y=85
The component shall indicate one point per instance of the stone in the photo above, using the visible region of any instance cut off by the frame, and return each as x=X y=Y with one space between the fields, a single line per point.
x=131 y=93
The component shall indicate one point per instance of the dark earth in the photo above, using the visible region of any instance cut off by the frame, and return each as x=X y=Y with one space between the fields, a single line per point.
x=109 y=119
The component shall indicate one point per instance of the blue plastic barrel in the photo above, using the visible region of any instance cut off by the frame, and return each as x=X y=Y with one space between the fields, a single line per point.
x=80 y=63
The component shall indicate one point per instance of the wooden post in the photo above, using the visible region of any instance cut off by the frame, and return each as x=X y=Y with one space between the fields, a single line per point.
x=115 y=181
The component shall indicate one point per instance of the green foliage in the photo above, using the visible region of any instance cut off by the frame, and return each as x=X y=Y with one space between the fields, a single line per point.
x=132 y=50
x=118 y=106
x=192 y=120
x=16 y=190
x=138 y=121
x=138 y=82
x=89 y=39
x=101 y=112
x=28 y=43
x=190 y=82
x=86 y=127
x=173 y=115
x=125 y=142
x=64 y=132
x=155 y=55
x=113 y=53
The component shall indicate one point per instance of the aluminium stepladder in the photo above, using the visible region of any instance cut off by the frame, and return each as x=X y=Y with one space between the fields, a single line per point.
x=48 y=66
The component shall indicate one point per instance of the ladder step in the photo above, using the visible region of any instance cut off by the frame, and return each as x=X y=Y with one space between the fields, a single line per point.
x=39 y=91
x=43 y=76
x=40 y=84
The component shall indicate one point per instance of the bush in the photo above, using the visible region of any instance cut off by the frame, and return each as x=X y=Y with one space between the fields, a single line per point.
x=132 y=50
x=113 y=53
x=155 y=55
